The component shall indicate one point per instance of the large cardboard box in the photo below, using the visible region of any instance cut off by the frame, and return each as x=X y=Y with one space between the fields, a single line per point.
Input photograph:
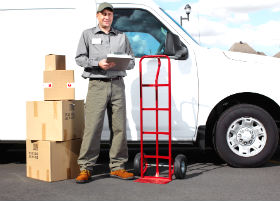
x=52 y=161
x=54 y=120
x=54 y=62
x=59 y=85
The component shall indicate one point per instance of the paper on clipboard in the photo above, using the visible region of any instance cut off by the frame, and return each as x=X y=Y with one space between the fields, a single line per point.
x=121 y=60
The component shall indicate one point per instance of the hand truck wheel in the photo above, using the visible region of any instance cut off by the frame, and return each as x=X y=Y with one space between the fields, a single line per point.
x=180 y=166
x=137 y=164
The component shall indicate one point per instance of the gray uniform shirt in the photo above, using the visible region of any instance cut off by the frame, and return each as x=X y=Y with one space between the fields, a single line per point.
x=94 y=45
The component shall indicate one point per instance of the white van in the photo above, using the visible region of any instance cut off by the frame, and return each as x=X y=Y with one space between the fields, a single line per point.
x=229 y=101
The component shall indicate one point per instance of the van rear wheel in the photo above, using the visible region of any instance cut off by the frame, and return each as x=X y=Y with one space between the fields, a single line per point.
x=246 y=136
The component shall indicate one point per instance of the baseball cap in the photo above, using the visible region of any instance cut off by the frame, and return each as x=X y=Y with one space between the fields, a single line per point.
x=104 y=5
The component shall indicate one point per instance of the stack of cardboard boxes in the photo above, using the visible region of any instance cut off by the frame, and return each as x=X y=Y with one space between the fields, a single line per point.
x=54 y=126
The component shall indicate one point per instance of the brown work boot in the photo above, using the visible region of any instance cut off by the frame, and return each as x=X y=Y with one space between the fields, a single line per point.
x=122 y=174
x=84 y=177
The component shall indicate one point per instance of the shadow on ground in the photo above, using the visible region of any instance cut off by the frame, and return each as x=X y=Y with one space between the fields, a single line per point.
x=198 y=161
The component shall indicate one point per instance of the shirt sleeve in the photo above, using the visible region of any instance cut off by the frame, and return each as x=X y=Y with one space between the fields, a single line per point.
x=82 y=58
x=129 y=52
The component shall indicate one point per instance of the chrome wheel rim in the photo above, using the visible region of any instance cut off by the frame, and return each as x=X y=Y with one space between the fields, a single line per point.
x=246 y=136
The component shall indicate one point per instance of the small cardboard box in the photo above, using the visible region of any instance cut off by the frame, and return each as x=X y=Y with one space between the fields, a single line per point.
x=54 y=120
x=52 y=161
x=54 y=62
x=59 y=85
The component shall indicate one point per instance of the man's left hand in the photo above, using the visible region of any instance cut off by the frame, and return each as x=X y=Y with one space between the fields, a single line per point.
x=105 y=65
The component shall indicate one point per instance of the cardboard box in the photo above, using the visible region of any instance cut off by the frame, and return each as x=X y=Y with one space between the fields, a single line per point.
x=59 y=85
x=54 y=62
x=54 y=120
x=52 y=161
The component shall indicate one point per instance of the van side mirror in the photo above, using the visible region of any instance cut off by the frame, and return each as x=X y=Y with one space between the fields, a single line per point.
x=175 y=48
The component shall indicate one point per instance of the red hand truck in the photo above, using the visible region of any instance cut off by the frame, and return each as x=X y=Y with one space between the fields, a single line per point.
x=178 y=168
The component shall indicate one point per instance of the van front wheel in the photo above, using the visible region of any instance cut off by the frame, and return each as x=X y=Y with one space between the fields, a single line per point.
x=246 y=136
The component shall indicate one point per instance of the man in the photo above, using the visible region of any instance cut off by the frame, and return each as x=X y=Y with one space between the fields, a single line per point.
x=106 y=91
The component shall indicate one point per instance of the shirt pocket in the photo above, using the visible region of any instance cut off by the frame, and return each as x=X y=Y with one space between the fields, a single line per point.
x=118 y=44
x=97 y=52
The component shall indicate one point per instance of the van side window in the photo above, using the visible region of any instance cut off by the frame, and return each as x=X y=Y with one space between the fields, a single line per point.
x=146 y=33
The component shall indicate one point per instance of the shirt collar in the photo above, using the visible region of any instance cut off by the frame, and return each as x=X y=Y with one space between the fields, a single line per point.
x=98 y=30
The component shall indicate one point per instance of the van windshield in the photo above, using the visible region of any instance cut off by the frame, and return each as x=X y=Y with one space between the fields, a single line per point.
x=179 y=26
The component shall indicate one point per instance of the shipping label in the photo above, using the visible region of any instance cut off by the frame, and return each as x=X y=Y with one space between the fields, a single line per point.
x=48 y=85
x=70 y=85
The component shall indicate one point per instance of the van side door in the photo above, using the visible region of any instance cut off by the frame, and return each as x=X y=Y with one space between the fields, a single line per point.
x=148 y=36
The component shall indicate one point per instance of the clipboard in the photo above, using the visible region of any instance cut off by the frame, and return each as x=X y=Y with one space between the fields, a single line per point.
x=121 y=60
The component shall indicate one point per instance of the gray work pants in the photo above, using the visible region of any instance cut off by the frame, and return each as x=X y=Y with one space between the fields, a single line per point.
x=102 y=96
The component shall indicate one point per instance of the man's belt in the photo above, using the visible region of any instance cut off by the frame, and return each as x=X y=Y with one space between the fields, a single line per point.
x=107 y=79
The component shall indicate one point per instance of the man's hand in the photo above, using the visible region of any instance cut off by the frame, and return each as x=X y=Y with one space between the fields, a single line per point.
x=105 y=65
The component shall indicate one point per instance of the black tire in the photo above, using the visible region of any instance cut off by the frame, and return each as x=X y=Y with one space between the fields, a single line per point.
x=236 y=138
x=137 y=164
x=180 y=166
